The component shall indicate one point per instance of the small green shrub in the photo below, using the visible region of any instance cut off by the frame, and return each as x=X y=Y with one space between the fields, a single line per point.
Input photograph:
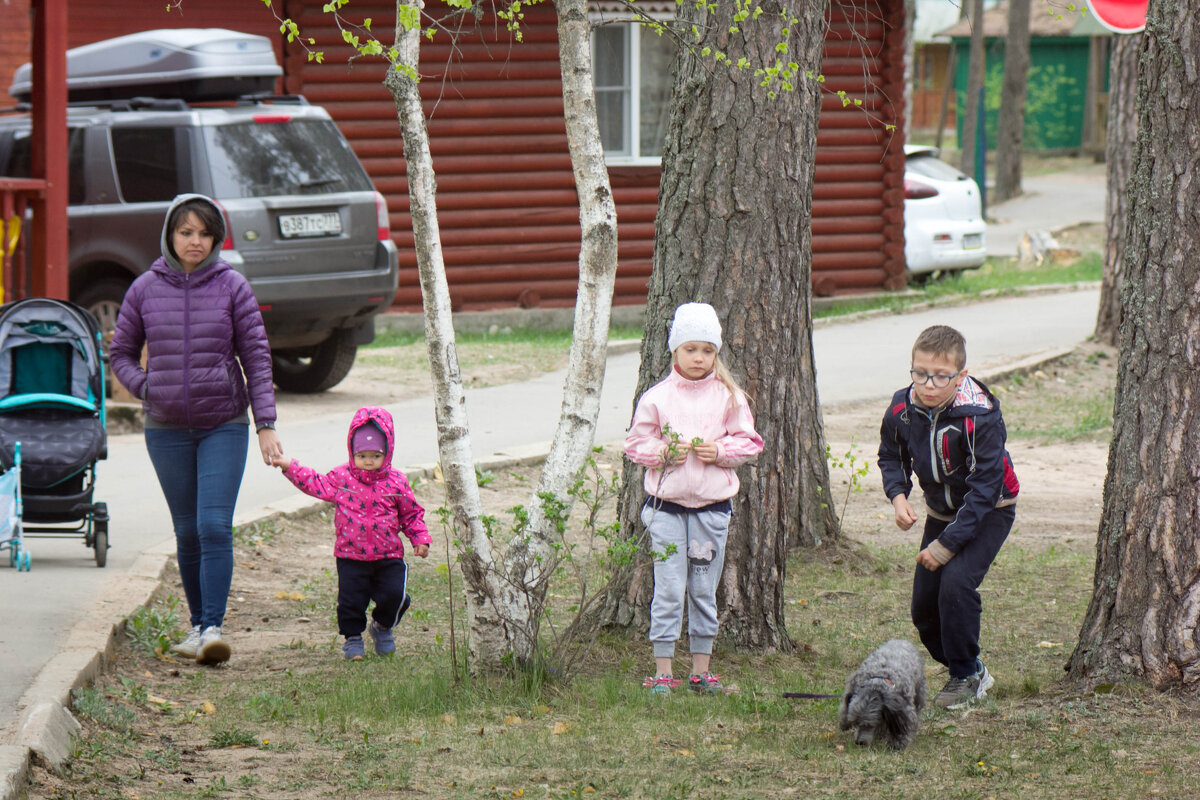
x=153 y=628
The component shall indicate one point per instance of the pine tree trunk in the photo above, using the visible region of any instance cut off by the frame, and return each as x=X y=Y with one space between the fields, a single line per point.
x=1121 y=138
x=975 y=73
x=1145 y=608
x=498 y=613
x=1011 y=126
x=733 y=231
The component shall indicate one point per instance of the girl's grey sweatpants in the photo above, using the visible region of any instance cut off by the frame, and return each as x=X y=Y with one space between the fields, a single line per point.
x=692 y=570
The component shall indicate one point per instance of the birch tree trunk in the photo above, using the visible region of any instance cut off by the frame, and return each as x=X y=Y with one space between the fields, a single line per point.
x=1145 y=607
x=975 y=74
x=733 y=230
x=498 y=611
x=1011 y=126
x=1120 y=139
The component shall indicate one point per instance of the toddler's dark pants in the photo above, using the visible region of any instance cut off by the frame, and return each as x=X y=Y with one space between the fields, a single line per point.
x=359 y=582
x=945 y=602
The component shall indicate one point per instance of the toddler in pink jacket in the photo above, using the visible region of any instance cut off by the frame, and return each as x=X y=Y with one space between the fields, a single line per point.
x=689 y=431
x=374 y=505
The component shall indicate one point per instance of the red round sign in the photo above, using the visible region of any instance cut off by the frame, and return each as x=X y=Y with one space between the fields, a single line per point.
x=1121 y=16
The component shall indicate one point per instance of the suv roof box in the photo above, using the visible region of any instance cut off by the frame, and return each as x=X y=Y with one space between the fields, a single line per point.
x=193 y=64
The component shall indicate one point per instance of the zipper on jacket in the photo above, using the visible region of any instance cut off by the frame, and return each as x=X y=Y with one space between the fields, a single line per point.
x=934 y=459
x=933 y=453
x=187 y=347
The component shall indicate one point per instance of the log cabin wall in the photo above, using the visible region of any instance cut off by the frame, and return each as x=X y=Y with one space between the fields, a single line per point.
x=858 y=190
x=506 y=196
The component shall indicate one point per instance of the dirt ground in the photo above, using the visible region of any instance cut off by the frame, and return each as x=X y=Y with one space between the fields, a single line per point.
x=282 y=570
x=1061 y=481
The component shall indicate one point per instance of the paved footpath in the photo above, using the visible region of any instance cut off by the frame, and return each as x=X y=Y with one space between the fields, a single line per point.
x=58 y=618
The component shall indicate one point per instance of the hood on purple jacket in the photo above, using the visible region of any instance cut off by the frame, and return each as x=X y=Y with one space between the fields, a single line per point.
x=207 y=351
x=382 y=420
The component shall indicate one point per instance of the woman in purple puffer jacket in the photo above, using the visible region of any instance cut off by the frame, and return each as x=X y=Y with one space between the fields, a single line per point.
x=198 y=319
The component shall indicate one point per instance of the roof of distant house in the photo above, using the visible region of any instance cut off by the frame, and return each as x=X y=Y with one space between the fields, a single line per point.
x=1044 y=20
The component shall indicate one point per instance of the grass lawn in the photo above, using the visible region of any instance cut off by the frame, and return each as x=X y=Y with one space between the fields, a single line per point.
x=288 y=718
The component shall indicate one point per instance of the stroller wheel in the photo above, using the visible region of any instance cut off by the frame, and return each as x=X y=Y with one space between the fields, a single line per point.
x=12 y=556
x=101 y=544
x=26 y=562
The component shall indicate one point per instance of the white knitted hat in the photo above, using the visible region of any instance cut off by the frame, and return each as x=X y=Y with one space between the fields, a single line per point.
x=695 y=322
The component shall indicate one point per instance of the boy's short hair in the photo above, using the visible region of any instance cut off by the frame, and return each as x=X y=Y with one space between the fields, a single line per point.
x=942 y=340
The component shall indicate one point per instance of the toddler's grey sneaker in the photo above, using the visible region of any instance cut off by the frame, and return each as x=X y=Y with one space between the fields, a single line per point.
x=385 y=643
x=212 y=649
x=353 y=649
x=191 y=643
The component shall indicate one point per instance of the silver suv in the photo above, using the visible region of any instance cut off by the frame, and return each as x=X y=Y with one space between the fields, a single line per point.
x=305 y=224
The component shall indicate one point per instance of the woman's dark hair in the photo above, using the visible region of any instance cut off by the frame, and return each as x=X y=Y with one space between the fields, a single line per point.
x=205 y=211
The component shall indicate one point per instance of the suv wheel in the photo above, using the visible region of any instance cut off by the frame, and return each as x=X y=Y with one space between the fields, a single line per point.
x=103 y=298
x=314 y=369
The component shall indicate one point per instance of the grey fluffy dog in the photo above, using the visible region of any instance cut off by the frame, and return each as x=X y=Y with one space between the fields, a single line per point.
x=885 y=695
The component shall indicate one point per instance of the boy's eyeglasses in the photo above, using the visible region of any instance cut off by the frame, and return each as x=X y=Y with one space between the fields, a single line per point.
x=924 y=378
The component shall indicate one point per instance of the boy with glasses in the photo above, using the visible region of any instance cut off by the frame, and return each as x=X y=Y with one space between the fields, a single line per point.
x=946 y=428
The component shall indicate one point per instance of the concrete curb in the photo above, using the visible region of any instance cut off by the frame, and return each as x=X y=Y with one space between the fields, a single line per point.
x=47 y=727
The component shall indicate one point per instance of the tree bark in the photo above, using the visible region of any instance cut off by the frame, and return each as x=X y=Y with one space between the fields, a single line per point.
x=948 y=89
x=498 y=611
x=1142 y=619
x=1011 y=125
x=1121 y=137
x=975 y=73
x=733 y=230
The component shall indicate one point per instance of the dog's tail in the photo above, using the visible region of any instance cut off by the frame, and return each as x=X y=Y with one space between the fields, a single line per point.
x=809 y=695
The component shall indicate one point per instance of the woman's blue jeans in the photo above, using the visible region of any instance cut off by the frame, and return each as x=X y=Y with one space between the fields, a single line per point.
x=200 y=472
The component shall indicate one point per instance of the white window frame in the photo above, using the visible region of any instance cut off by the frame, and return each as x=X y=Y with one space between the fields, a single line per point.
x=634 y=31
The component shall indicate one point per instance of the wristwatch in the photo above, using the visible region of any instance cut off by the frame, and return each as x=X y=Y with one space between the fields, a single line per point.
x=264 y=425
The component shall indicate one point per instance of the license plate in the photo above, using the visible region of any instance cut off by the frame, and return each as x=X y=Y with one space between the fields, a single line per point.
x=972 y=241
x=295 y=226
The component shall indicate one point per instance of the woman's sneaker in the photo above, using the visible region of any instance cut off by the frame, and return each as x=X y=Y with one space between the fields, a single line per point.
x=660 y=684
x=353 y=649
x=385 y=643
x=960 y=692
x=212 y=649
x=188 y=647
x=705 y=683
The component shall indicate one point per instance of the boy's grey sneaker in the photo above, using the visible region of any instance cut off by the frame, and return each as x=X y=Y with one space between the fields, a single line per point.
x=385 y=643
x=188 y=647
x=212 y=649
x=353 y=649
x=959 y=692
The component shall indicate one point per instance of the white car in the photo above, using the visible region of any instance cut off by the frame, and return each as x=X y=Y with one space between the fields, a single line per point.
x=944 y=228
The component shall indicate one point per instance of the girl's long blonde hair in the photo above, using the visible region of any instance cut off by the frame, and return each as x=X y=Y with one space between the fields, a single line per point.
x=736 y=392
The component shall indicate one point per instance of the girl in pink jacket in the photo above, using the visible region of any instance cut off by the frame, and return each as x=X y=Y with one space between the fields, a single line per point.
x=374 y=505
x=689 y=431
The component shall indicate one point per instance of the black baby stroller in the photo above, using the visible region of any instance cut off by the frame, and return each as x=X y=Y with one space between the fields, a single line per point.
x=52 y=422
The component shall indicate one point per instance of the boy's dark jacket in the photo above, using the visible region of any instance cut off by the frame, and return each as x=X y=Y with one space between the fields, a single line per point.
x=957 y=454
